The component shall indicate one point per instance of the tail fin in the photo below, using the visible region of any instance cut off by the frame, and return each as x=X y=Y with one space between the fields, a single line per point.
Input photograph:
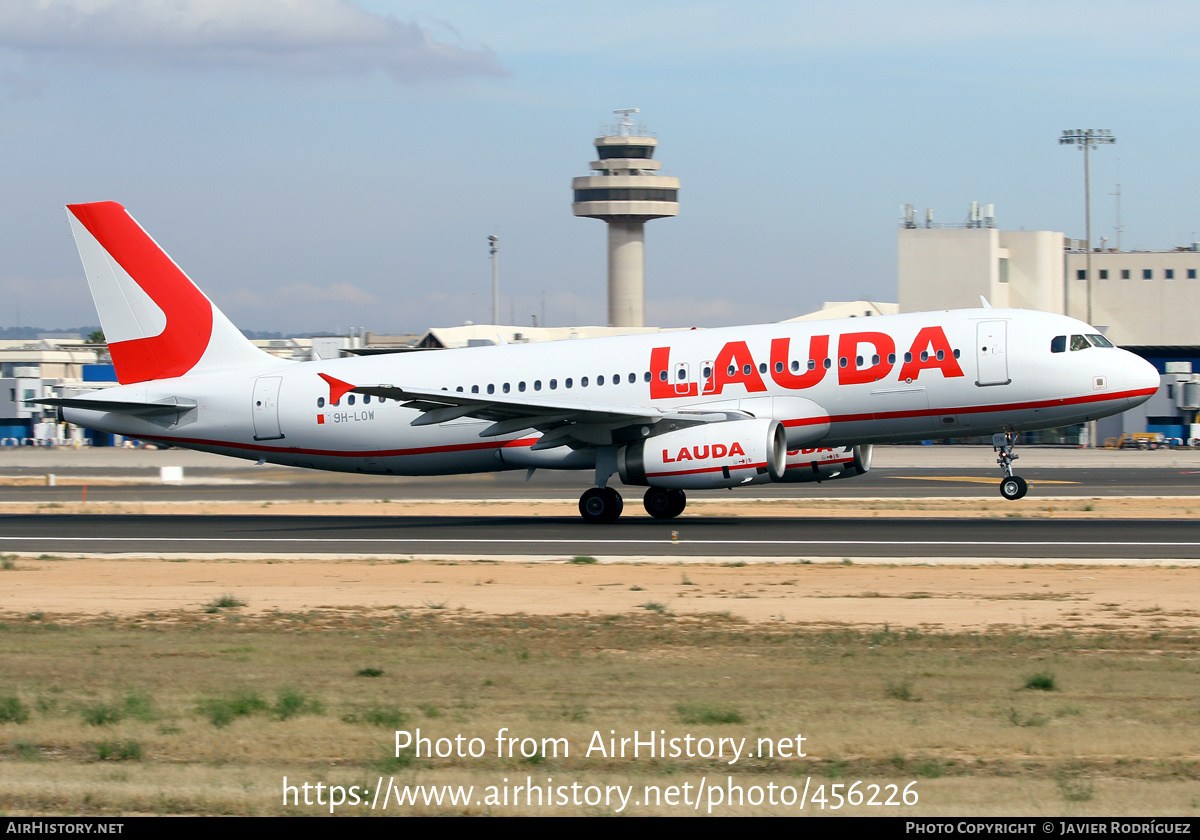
x=157 y=323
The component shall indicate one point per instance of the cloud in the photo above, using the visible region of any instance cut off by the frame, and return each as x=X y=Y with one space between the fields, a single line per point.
x=297 y=294
x=294 y=36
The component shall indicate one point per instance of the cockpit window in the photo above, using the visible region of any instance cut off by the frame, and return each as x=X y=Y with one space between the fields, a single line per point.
x=1078 y=342
x=1058 y=344
x=1099 y=340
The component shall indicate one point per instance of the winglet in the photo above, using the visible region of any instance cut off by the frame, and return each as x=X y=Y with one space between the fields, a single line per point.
x=337 y=388
x=983 y=300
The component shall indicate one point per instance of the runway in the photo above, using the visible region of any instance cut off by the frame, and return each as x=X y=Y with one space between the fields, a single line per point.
x=268 y=484
x=483 y=536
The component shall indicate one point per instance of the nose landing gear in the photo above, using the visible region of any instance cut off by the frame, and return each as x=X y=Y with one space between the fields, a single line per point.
x=1012 y=487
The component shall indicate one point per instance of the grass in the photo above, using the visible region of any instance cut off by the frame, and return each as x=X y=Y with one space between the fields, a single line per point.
x=387 y=717
x=902 y=690
x=224 y=710
x=214 y=729
x=583 y=559
x=654 y=606
x=118 y=751
x=12 y=710
x=699 y=714
x=369 y=672
x=1041 y=681
x=224 y=602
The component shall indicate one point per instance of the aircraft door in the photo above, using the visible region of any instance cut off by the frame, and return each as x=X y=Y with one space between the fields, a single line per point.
x=991 y=351
x=708 y=381
x=265 y=408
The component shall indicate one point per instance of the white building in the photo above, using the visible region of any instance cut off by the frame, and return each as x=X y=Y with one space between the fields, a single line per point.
x=1140 y=298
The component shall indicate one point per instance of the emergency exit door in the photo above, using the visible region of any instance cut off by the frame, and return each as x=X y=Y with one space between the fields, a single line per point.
x=265 y=408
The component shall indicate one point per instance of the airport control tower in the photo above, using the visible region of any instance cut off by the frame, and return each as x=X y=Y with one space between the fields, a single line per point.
x=626 y=193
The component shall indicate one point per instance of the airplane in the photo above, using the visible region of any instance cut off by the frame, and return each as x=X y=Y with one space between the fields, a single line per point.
x=676 y=411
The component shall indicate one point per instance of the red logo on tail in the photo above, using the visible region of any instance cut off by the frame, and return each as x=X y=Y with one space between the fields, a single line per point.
x=178 y=348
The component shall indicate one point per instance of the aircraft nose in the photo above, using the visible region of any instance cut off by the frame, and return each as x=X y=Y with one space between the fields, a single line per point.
x=1142 y=379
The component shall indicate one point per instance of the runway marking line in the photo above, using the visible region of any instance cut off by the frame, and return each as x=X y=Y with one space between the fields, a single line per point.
x=471 y=541
x=973 y=479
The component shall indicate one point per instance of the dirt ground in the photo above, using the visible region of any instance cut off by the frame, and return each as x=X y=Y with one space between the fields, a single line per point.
x=945 y=597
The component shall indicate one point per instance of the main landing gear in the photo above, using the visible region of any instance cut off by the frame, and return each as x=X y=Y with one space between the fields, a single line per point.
x=600 y=504
x=662 y=503
x=1012 y=487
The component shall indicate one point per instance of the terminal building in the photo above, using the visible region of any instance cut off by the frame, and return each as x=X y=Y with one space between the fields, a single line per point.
x=1147 y=302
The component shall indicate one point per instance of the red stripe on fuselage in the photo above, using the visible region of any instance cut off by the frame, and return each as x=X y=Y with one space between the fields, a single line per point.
x=970 y=409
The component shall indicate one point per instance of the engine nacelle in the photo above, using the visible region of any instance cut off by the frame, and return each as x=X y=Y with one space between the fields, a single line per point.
x=726 y=454
x=827 y=464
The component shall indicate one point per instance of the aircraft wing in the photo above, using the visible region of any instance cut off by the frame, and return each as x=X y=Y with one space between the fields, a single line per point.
x=561 y=422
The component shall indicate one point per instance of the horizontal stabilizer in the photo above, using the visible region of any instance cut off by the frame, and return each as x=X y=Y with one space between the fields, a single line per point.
x=140 y=409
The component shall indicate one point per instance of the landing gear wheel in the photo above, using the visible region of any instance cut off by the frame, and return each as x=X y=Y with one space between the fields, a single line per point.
x=1014 y=487
x=600 y=504
x=664 y=504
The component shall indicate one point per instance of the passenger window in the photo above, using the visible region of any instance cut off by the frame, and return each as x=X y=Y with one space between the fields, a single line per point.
x=320 y=402
x=732 y=370
x=762 y=367
x=907 y=358
x=662 y=377
x=474 y=389
x=956 y=354
x=632 y=378
x=842 y=361
x=507 y=387
x=367 y=399
x=858 y=361
x=600 y=380
x=553 y=384
x=779 y=367
x=708 y=372
x=583 y=382
x=1058 y=344
x=568 y=383
x=520 y=386
x=891 y=358
x=350 y=400
x=1078 y=342
x=646 y=376
x=874 y=360
x=941 y=354
x=812 y=364
x=828 y=364
x=746 y=370
x=459 y=389
x=537 y=384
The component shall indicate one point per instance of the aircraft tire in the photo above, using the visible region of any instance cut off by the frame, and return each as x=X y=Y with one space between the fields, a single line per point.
x=662 y=503
x=600 y=505
x=1014 y=487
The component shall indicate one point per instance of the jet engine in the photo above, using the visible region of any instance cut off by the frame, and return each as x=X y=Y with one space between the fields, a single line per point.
x=827 y=464
x=731 y=453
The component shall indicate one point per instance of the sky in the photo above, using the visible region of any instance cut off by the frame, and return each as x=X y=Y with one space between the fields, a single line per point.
x=322 y=165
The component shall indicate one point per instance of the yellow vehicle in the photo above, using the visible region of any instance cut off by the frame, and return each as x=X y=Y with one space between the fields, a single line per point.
x=1135 y=440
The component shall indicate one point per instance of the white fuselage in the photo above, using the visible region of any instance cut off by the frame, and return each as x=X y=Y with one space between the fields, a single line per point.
x=996 y=372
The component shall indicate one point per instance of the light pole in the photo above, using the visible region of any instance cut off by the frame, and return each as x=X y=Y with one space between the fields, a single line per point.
x=1087 y=139
x=494 y=253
